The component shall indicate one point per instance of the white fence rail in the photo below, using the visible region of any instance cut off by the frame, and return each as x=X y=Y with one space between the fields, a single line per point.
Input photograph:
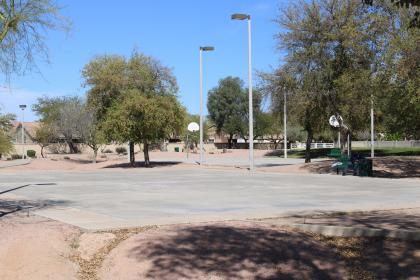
x=313 y=145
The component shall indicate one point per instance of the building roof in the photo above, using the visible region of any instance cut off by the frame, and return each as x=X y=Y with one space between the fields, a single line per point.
x=30 y=127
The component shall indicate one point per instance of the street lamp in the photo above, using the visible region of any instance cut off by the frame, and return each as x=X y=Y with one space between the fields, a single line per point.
x=23 y=107
x=250 y=108
x=372 y=130
x=202 y=49
x=285 y=123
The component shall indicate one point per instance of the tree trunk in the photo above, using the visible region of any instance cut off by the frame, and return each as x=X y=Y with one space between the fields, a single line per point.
x=146 y=153
x=42 y=151
x=95 y=154
x=308 y=147
x=72 y=147
x=230 y=141
x=276 y=144
x=131 y=153
x=349 y=142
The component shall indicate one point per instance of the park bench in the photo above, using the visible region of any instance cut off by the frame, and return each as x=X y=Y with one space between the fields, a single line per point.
x=342 y=164
x=335 y=153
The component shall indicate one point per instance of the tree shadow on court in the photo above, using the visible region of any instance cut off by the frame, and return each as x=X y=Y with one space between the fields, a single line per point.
x=140 y=164
x=11 y=205
x=262 y=253
x=238 y=253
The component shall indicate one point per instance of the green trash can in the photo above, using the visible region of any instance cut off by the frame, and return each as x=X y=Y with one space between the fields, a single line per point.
x=365 y=168
x=177 y=149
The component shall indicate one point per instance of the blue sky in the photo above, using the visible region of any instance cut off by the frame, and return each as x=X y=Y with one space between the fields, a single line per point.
x=169 y=30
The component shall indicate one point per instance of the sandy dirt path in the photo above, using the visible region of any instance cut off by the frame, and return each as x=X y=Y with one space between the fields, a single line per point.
x=36 y=248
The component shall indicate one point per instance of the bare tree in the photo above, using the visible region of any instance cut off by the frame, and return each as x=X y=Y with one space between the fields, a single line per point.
x=23 y=25
x=90 y=133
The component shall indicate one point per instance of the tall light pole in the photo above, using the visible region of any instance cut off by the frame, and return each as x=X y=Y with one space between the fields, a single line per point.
x=202 y=49
x=251 y=117
x=372 y=130
x=23 y=107
x=285 y=123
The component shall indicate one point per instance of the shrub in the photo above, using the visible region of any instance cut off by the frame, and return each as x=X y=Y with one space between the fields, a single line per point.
x=31 y=153
x=107 y=151
x=121 y=150
x=16 y=156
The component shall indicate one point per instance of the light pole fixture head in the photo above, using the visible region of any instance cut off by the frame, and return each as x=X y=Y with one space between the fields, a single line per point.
x=23 y=106
x=240 y=17
x=207 y=49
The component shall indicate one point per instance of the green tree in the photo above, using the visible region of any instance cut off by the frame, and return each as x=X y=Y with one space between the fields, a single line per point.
x=109 y=78
x=333 y=50
x=262 y=120
x=143 y=119
x=399 y=101
x=23 y=24
x=6 y=145
x=6 y=121
x=90 y=133
x=105 y=78
x=227 y=107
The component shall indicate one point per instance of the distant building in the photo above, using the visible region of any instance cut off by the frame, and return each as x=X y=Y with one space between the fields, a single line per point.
x=29 y=132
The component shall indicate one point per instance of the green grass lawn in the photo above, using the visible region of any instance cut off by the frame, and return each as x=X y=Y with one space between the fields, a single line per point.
x=319 y=153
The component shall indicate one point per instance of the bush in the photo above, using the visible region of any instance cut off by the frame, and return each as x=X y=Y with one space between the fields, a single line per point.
x=31 y=153
x=16 y=156
x=107 y=151
x=121 y=150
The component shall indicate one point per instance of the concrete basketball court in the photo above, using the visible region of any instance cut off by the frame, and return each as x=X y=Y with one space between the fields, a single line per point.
x=111 y=198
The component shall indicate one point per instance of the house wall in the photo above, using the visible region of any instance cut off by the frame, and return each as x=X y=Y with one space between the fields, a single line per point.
x=17 y=138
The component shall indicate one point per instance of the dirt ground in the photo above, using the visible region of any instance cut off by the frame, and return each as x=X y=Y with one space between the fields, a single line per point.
x=386 y=167
x=32 y=247
x=36 y=248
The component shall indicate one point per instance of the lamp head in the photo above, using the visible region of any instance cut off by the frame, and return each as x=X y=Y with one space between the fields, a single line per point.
x=207 y=49
x=240 y=17
x=23 y=106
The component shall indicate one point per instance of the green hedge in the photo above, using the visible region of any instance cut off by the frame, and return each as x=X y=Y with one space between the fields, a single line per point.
x=31 y=153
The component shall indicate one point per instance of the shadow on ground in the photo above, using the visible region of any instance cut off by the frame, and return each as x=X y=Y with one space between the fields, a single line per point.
x=238 y=253
x=153 y=164
x=264 y=253
x=386 y=167
x=11 y=205
x=395 y=219
x=84 y=161
x=398 y=167
x=273 y=164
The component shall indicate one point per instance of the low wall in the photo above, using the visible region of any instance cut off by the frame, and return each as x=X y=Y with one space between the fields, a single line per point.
x=257 y=146
x=170 y=147
x=387 y=144
x=64 y=149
